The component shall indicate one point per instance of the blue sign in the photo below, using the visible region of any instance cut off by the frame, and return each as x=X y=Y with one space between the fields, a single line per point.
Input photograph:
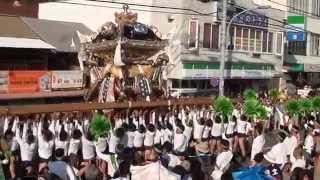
x=296 y=36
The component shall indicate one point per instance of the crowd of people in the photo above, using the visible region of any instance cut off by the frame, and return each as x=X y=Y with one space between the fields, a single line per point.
x=180 y=143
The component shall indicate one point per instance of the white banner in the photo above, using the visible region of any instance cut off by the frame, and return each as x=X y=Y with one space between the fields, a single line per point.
x=67 y=79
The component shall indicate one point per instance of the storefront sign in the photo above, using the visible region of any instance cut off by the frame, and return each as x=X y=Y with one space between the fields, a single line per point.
x=250 y=19
x=67 y=79
x=295 y=28
x=29 y=81
x=4 y=79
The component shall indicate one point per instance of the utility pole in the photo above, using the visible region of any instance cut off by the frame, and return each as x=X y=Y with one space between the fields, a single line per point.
x=223 y=46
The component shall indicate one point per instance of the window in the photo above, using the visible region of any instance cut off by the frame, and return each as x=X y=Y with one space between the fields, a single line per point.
x=245 y=39
x=252 y=39
x=238 y=38
x=193 y=33
x=316 y=7
x=299 y=6
x=258 y=41
x=279 y=43
x=264 y=41
x=315 y=45
x=297 y=48
x=270 y=42
x=211 y=36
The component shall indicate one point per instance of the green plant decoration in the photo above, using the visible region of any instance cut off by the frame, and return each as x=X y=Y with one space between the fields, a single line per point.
x=100 y=126
x=316 y=103
x=306 y=105
x=253 y=109
x=223 y=106
x=249 y=94
x=293 y=108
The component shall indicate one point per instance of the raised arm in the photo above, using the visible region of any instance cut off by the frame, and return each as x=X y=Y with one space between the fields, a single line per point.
x=6 y=124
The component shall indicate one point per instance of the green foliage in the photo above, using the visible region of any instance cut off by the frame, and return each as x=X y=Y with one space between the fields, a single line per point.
x=99 y=126
x=253 y=109
x=293 y=107
x=316 y=103
x=223 y=106
x=249 y=94
x=306 y=105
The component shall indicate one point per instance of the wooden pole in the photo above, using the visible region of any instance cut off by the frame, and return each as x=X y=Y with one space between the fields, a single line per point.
x=69 y=107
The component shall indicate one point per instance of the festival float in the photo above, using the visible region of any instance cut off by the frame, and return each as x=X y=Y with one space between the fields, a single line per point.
x=124 y=61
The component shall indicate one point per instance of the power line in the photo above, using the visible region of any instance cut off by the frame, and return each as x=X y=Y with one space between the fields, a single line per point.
x=136 y=9
x=152 y=6
x=293 y=8
x=276 y=20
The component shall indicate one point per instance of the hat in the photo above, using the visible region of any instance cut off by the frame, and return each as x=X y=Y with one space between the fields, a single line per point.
x=202 y=147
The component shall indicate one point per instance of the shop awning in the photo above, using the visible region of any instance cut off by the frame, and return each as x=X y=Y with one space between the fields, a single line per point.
x=298 y=63
x=11 y=42
x=240 y=66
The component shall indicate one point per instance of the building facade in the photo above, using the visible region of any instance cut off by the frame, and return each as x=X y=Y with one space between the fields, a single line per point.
x=193 y=28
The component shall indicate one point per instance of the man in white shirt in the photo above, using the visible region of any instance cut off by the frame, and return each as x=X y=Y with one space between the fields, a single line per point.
x=180 y=142
x=258 y=142
x=61 y=168
x=27 y=145
x=223 y=160
x=278 y=155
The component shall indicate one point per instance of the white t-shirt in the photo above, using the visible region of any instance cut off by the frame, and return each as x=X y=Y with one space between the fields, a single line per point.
x=257 y=145
x=217 y=129
x=206 y=132
x=62 y=144
x=308 y=144
x=277 y=154
x=298 y=163
x=130 y=139
x=242 y=126
x=149 y=138
x=180 y=142
x=113 y=142
x=291 y=143
x=45 y=148
x=138 y=139
x=230 y=127
x=88 y=149
x=188 y=132
x=223 y=160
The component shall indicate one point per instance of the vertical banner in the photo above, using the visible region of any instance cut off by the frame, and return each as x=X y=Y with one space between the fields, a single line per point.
x=67 y=79
x=4 y=80
x=29 y=81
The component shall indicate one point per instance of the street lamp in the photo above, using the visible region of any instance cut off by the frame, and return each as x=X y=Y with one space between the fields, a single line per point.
x=223 y=50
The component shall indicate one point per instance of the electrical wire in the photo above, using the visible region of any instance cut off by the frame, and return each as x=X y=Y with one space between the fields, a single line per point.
x=152 y=6
x=137 y=9
x=293 y=8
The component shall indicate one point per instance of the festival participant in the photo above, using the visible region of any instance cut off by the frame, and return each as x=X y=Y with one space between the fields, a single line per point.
x=61 y=168
x=258 y=142
x=88 y=146
x=139 y=137
x=298 y=159
x=198 y=125
x=242 y=129
x=149 y=136
x=27 y=144
x=291 y=142
x=309 y=142
x=180 y=142
x=223 y=160
x=74 y=143
x=216 y=134
x=207 y=130
x=45 y=142
x=230 y=130
x=277 y=155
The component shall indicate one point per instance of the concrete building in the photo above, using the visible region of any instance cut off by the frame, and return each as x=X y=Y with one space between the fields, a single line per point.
x=193 y=29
